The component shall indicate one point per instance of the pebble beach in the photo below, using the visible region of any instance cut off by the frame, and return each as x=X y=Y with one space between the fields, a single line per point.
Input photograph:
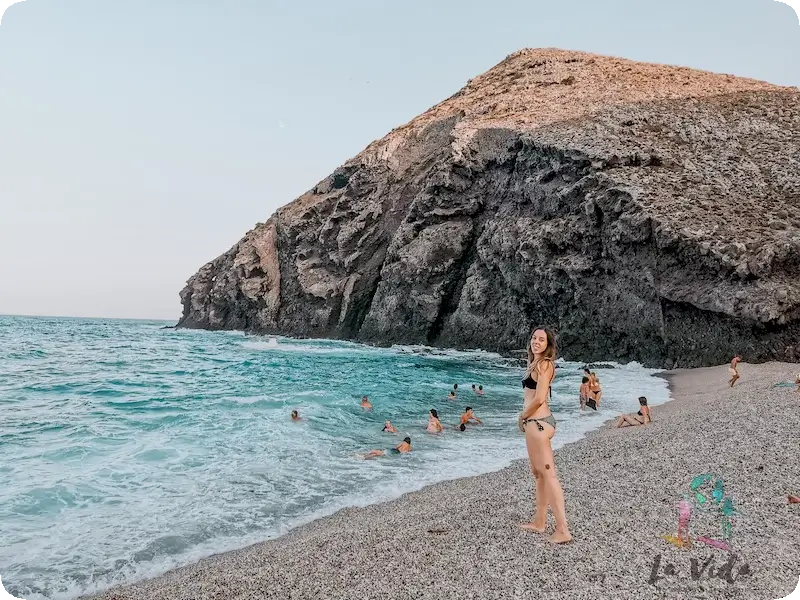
x=461 y=539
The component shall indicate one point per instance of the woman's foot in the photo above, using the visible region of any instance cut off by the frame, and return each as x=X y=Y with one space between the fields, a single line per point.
x=534 y=527
x=560 y=537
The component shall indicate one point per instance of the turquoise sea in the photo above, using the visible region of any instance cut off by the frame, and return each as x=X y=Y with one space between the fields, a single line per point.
x=128 y=449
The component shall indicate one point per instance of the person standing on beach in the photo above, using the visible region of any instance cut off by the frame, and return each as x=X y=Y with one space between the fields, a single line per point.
x=734 y=372
x=539 y=426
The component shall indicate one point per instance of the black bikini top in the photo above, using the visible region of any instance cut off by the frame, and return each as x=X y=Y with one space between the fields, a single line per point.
x=530 y=383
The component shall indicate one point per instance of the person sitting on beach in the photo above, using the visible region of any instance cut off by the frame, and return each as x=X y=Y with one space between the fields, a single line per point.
x=640 y=418
x=295 y=416
x=451 y=396
x=733 y=371
x=434 y=425
x=595 y=391
x=403 y=447
x=388 y=427
x=365 y=403
x=584 y=392
x=468 y=417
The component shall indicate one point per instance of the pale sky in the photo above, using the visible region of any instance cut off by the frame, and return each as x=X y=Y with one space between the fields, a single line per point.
x=139 y=140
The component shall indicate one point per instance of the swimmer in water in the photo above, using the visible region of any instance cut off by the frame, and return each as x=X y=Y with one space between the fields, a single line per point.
x=403 y=447
x=295 y=416
x=733 y=371
x=455 y=388
x=388 y=427
x=468 y=417
x=480 y=390
x=474 y=389
x=434 y=425
x=461 y=427
x=365 y=403
x=451 y=396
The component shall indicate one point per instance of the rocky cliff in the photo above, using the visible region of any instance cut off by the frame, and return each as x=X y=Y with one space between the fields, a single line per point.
x=647 y=212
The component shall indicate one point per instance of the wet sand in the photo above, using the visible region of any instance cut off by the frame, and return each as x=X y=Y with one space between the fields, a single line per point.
x=461 y=539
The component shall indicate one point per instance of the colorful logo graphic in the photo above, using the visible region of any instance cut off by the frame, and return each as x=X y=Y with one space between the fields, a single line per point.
x=713 y=512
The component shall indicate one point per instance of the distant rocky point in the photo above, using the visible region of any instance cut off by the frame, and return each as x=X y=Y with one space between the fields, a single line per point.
x=647 y=212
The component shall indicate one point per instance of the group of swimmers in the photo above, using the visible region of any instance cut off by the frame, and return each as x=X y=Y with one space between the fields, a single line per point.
x=434 y=424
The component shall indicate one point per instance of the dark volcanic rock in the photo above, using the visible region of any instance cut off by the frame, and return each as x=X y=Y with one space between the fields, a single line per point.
x=647 y=212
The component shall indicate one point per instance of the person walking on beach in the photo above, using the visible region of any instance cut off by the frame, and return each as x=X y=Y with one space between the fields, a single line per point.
x=434 y=425
x=468 y=417
x=734 y=372
x=640 y=418
x=539 y=426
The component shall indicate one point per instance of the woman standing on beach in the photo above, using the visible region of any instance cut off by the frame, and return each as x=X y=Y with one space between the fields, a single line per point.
x=539 y=426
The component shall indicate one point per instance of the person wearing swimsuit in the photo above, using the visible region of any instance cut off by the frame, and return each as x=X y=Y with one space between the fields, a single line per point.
x=539 y=426
x=595 y=390
x=434 y=425
x=734 y=372
x=640 y=418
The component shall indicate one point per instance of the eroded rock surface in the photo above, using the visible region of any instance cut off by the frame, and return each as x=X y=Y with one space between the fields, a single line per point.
x=647 y=212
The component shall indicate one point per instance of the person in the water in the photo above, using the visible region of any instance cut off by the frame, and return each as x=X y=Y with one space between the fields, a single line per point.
x=455 y=388
x=451 y=396
x=434 y=425
x=365 y=403
x=480 y=390
x=388 y=427
x=584 y=392
x=295 y=416
x=468 y=417
x=460 y=427
x=403 y=447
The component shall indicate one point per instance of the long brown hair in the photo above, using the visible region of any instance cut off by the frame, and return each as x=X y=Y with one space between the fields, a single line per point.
x=550 y=353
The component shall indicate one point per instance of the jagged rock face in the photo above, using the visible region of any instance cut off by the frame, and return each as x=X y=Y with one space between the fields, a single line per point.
x=647 y=213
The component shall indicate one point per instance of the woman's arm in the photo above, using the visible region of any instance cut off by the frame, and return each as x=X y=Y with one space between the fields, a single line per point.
x=546 y=372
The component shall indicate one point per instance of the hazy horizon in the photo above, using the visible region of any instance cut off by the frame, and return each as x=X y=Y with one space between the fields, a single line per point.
x=143 y=139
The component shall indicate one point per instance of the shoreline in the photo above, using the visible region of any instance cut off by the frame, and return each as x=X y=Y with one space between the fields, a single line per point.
x=620 y=486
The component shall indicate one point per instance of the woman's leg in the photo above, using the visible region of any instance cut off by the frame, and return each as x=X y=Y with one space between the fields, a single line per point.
x=541 y=454
x=539 y=522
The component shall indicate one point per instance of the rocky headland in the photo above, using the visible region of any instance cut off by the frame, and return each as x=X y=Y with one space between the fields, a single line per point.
x=646 y=212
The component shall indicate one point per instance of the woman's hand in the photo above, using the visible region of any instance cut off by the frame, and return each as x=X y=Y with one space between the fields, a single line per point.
x=521 y=424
